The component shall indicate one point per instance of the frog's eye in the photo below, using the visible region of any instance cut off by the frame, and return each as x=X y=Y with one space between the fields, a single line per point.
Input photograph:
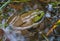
x=39 y=14
x=58 y=4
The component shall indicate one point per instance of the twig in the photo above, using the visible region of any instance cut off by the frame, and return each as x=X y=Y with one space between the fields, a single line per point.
x=45 y=37
x=54 y=26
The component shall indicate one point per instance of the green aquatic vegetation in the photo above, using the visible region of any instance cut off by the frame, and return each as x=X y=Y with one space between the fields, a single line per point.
x=3 y=25
x=4 y=5
x=54 y=3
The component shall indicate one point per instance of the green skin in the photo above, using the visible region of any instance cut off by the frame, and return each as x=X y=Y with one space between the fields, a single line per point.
x=37 y=18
